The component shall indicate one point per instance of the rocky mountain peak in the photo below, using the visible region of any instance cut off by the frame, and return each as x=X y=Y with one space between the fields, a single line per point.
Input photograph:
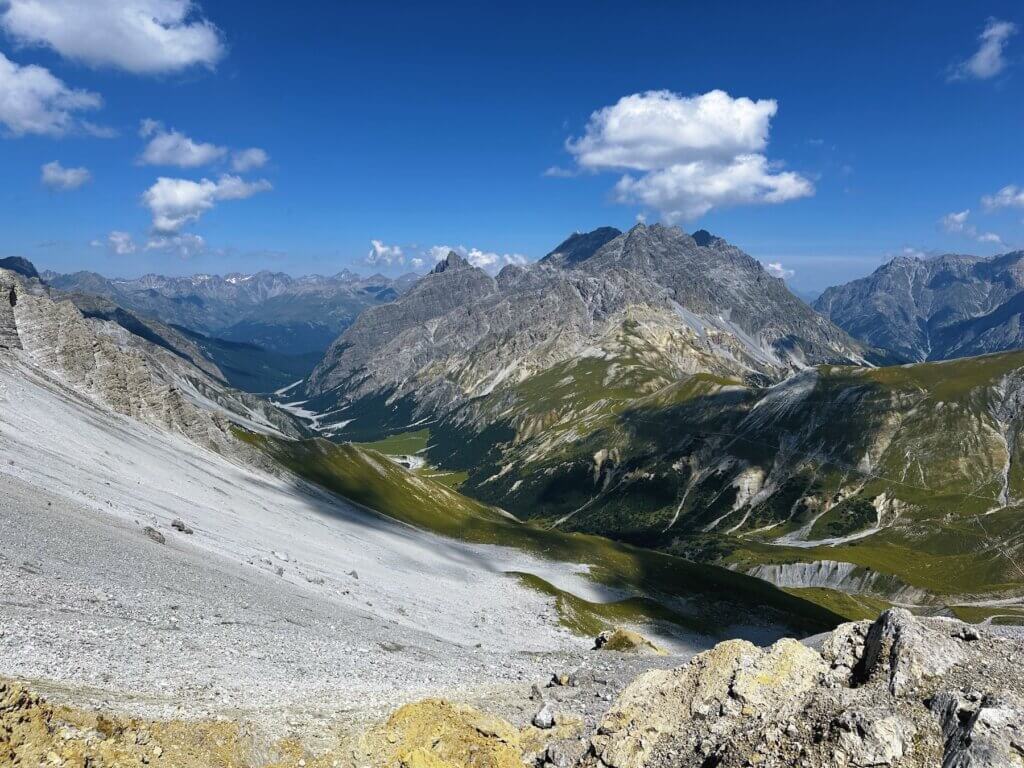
x=451 y=261
x=580 y=246
x=705 y=239
x=935 y=308
x=22 y=266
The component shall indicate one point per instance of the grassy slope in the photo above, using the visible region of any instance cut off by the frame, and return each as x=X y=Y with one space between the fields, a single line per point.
x=705 y=596
x=415 y=442
x=621 y=443
x=928 y=428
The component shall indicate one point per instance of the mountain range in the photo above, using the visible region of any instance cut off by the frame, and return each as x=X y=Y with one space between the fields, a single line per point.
x=664 y=389
x=281 y=313
x=934 y=308
x=458 y=334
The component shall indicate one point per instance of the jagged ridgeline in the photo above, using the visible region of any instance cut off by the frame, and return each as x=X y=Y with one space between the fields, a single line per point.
x=665 y=390
x=934 y=308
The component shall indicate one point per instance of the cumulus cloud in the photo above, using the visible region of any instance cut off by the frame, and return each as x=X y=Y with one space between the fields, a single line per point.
x=121 y=243
x=657 y=129
x=185 y=244
x=32 y=100
x=56 y=176
x=775 y=269
x=695 y=152
x=140 y=36
x=384 y=254
x=1010 y=196
x=248 y=159
x=958 y=223
x=689 y=190
x=175 y=148
x=176 y=202
x=989 y=60
x=489 y=261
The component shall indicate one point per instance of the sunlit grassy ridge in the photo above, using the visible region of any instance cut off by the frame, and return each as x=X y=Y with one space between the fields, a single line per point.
x=697 y=595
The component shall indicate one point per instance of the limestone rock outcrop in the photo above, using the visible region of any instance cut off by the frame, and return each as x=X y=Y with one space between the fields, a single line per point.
x=899 y=691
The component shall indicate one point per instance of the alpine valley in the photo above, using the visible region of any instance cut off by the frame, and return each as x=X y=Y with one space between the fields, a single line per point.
x=664 y=390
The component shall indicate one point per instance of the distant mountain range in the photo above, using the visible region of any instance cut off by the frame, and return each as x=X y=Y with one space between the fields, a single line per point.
x=459 y=334
x=934 y=309
x=281 y=313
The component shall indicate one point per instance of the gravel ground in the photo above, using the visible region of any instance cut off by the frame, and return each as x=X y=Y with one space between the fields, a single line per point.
x=285 y=606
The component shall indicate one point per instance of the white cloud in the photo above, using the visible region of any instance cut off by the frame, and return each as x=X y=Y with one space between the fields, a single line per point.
x=558 y=172
x=989 y=237
x=247 y=159
x=186 y=245
x=175 y=148
x=384 y=254
x=140 y=36
x=416 y=262
x=656 y=129
x=696 y=152
x=957 y=223
x=488 y=261
x=176 y=202
x=1010 y=196
x=690 y=190
x=775 y=269
x=988 y=61
x=32 y=100
x=438 y=253
x=121 y=243
x=56 y=176
x=171 y=147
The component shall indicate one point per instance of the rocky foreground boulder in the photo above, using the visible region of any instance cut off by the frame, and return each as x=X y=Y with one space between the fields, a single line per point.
x=899 y=691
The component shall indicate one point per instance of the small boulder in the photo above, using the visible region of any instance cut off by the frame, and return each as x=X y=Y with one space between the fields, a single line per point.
x=626 y=641
x=179 y=525
x=153 y=534
x=874 y=738
x=565 y=753
x=545 y=717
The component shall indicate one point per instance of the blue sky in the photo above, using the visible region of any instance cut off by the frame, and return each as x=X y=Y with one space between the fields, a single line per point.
x=843 y=134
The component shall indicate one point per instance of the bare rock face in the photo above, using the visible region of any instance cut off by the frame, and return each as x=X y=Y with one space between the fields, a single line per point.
x=980 y=730
x=899 y=691
x=934 y=309
x=906 y=651
x=126 y=372
x=8 y=300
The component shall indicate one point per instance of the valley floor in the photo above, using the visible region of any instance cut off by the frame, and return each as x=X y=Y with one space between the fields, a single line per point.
x=286 y=606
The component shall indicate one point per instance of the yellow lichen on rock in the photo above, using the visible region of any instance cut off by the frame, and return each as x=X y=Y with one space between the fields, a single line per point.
x=435 y=733
x=34 y=732
x=788 y=666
